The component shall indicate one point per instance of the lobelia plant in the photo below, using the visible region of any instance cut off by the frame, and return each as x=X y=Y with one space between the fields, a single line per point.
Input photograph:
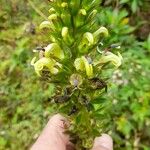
x=75 y=63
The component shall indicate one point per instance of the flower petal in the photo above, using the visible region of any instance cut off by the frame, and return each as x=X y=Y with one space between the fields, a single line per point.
x=46 y=62
x=110 y=57
x=46 y=24
x=88 y=67
x=84 y=65
x=33 y=61
x=55 y=50
x=79 y=65
x=101 y=31
x=89 y=38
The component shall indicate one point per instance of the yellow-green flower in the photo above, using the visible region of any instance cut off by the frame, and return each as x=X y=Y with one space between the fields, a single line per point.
x=51 y=10
x=88 y=38
x=83 y=12
x=64 y=32
x=76 y=80
x=116 y=60
x=50 y=64
x=101 y=31
x=84 y=64
x=64 y=4
x=46 y=24
x=52 y=17
x=54 y=50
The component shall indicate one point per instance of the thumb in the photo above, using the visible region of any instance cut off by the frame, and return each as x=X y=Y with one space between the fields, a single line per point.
x=103 y=142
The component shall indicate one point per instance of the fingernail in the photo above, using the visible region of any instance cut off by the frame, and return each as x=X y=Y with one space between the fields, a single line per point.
x=103 y=142
x=59 y=121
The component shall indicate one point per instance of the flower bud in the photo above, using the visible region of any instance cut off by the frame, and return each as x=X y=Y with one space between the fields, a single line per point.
x=79 y=20
x=54 y=50
x=82 y=12
x=101 y=31
x=46 y=24
x=52 y=17
x=52 y=10
x=92 y=14
x=64 y=4
x=66 y=18
x=64 y=32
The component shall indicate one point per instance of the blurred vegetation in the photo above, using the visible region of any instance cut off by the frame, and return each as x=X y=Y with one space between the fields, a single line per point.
x=25 y=100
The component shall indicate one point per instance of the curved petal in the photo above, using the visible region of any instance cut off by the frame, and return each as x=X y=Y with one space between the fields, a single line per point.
x=84 y=65
x=46 y=24
x=83 y=12
x=33 y=61
x=88 y=37
x=101 y=31
x=88 y=67
x=46 y=62
x=55 y=50
x=52 y=17
x=79 y=65
x=110 y=57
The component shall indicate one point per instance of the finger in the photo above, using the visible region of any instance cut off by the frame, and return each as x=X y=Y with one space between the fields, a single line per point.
x=53 y=136
x=103 y=142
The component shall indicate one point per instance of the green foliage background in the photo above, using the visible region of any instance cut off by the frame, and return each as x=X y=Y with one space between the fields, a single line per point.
x=25 y=100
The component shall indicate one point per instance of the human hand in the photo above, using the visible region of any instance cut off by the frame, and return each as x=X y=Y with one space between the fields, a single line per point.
x=54 y=138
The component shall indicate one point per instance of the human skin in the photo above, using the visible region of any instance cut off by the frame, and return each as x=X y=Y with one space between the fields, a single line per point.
x=54 y=138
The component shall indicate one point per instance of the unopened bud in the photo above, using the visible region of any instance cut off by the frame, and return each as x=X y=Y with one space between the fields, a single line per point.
x=88 y=37
x=51 y=10
x=64 y=4
x=52 y=17
x=64 y=32
x=82 y=12
x=45 y=24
